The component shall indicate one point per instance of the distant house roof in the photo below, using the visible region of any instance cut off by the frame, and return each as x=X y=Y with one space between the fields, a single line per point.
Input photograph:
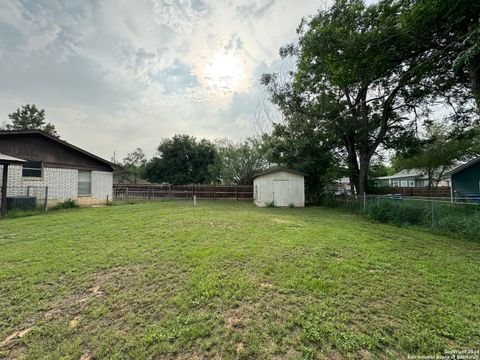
x=343 y=180
x=58 y=140
x=8 y=160
x=277 y=169
x=463 y=166
x=402 y=174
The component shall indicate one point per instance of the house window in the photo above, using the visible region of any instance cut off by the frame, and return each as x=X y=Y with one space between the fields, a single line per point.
x=84 y=182
x=404 y=183
x=411 y=183
x=395 y=184
x=32 y=169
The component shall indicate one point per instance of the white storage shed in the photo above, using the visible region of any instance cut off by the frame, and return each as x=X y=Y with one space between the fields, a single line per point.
x=280 y=186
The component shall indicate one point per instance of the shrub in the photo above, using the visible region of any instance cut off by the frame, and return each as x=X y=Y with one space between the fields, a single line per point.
x=67 y=204
x=464 y=225
x=453 y=219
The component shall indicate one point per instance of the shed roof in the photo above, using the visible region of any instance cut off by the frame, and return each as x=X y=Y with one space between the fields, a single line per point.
x=62 y=142
x=8 y=160
x=277 y=169
x=463 y=166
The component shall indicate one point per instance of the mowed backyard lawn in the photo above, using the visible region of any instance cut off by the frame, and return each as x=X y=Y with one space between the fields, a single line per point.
x=228 y=280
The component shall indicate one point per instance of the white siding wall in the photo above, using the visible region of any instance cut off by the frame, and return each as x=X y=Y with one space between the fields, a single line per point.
x=62 y=184
x=263 y=188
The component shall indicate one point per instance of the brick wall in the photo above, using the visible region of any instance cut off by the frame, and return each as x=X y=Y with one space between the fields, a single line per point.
x=62 y=184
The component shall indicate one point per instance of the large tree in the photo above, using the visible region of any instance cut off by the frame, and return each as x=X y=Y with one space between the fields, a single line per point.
x=449 y=32
x=297 y=145
x=182 y=160
x=29 y=117
x=361 y=77
x=237 y=163
x=133 y=167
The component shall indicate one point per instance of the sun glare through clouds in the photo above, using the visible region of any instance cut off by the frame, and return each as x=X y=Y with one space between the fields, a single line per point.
x=224 y=71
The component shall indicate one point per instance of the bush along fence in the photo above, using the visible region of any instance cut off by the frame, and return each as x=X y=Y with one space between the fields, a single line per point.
x=460 y=218
x=175 y=192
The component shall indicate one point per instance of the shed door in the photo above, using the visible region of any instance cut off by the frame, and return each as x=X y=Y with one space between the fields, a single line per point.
x=280 y=193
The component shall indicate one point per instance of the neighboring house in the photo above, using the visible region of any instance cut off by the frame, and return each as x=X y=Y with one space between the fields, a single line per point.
x=465 y=179
x=408 y=178
x=280 y=187
x=341 y=186
x=68 y=171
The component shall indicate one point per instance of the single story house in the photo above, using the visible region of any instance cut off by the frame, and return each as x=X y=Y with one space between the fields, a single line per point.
x=280 y=187
x=66 y=171
x=465 y=179
x=408 y=178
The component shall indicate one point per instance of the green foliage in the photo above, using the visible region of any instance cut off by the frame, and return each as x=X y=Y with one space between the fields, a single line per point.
x=365 y=96
x=238 y=163
x=298 y=144
x=462 y=220
x=29 y=117
x=133 y=167
x=67 y=204
x=447 y=37
x=348 y=83
x=183 y=160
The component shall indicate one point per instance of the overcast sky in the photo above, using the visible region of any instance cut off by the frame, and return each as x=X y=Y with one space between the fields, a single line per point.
x=116 y=75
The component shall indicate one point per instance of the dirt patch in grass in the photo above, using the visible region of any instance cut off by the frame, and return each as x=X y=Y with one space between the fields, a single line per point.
x=15 y=335
x=237 y=318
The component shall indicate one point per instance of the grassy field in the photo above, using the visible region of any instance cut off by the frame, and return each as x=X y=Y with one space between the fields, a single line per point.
x=228 y=280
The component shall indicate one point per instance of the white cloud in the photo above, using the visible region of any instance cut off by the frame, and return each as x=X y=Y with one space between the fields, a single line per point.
x=117 y=74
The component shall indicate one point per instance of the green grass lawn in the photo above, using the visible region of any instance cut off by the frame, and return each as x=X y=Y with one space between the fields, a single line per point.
x=228 y=280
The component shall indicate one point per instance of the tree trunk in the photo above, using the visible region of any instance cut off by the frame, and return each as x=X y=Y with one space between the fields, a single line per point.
x=352 y=164
x=474 y=73
x=363 y=175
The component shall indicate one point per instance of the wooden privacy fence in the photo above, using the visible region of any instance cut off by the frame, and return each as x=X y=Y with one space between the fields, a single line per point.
x=159 y=192
x=441 y=191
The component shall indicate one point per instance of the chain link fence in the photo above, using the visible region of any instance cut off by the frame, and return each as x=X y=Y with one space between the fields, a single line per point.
x=460 y=217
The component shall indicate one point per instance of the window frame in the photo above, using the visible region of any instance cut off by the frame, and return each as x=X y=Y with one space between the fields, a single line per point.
x=403 y=183
x=395 y=183
x=27 y=168
x=411 y=183
x=79 y=182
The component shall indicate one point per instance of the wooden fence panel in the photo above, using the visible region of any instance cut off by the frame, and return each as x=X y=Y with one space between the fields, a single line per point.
x=159 y=192
x=441 y=191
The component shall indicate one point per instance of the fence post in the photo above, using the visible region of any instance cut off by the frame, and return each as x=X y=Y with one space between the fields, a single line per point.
x=236 y=192
x=364 y=201
x=126 y=193
x=433 y=213
x=170 y=191
x=214 y=192
x=46 y=198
